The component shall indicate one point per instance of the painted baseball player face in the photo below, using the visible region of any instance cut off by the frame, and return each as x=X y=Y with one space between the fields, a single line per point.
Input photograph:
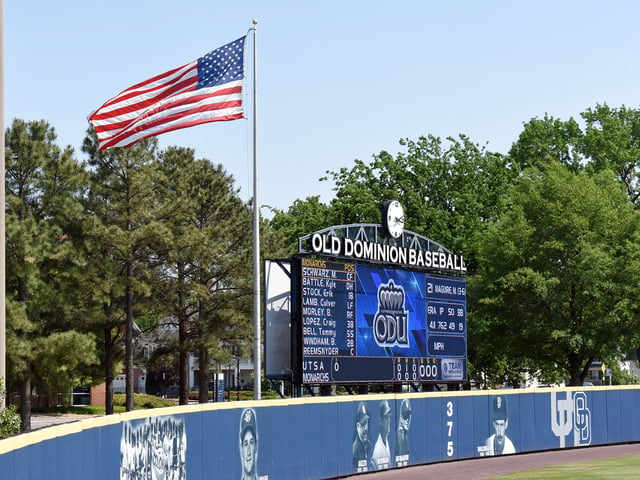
x=248 y=451
x=385 y=425
x=500 y=427
x=363 y=429
x=405 y=421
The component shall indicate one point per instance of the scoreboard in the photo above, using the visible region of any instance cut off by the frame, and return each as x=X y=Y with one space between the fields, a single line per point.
x=365 y=323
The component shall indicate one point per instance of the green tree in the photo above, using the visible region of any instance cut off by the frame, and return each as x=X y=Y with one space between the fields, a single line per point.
x=554 y=274
x=102 y=294
x=125 y=223
x=450 y=190
x=206 y=275
x=301 y=218
x=44 y=186
x=612 y=142
x=548 y=140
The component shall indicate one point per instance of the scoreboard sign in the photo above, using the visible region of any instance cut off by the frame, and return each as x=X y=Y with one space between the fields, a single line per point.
x=355 y=322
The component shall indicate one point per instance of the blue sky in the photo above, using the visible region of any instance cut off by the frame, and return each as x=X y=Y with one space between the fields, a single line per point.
x=337 y=80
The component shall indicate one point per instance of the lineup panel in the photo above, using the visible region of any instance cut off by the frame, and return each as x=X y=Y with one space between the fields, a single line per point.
x=365 y=323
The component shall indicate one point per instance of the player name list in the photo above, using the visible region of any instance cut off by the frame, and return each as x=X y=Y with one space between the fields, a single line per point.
x=328 y=308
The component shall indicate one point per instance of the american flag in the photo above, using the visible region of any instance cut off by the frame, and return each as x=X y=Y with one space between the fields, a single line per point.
x=208 y=89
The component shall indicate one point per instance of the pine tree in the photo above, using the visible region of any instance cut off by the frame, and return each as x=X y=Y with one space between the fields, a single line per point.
x=44 y=186
x=128 y=234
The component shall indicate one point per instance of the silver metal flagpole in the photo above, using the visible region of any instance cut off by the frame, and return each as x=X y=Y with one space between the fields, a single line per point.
x=3 y=300
x=257 y=357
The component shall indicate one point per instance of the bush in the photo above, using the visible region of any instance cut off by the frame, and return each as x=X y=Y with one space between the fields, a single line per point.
x=9 y=421
x=9 y=418
x=142 y=401
x=232 y=395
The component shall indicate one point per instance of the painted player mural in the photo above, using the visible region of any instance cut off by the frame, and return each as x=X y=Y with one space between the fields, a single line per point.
x=249 y=445
x=381 y=456
x=382 y=453
x=361 y=447
x=402 y=435
x=153 y=450
x=498 y=443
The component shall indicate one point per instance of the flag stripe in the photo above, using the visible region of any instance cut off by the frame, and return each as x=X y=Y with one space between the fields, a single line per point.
x=143 y=100
x=184 y=122
x=156 y=83
x=104 y=124
x=207 y=109
x=206 y=90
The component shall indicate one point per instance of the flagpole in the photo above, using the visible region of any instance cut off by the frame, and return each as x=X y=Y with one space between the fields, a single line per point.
x=257 y=360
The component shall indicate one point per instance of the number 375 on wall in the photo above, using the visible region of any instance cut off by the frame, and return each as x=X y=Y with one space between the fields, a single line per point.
x=449 y=412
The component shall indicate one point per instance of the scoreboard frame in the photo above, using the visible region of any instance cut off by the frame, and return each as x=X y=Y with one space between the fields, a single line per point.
x=359 y=322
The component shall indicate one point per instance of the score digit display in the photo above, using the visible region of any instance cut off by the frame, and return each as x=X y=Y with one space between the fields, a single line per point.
x=362 y=323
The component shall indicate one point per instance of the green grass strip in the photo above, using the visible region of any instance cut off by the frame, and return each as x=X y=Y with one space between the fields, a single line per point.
x=627 y=467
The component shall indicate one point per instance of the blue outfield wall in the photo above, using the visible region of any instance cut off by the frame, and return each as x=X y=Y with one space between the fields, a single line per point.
x=327 y=437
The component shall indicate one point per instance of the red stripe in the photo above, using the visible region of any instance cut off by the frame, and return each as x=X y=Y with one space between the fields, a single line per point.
x=175 y=116
x=185 y=85
x=127 y=92
x=193 y=98
x=177 y=88
x=192 y=123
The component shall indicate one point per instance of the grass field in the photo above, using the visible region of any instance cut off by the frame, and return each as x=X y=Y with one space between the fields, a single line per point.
x=627 y=468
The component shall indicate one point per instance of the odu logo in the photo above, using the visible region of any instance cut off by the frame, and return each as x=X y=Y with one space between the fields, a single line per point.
x=391 y=322
x=571 y=415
